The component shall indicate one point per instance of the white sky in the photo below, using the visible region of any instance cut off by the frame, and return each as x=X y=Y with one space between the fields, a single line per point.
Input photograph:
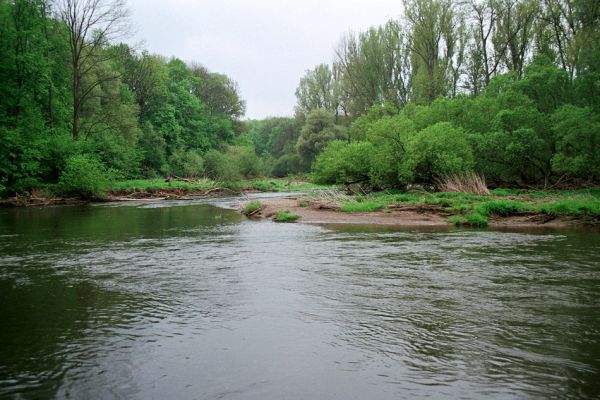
x=264 y=45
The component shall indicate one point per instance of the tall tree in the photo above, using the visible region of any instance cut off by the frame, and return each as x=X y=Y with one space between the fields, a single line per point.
x=435 y=43
x=91 y=25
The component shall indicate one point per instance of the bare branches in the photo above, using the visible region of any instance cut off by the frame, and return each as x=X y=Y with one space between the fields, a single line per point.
x=91 y=25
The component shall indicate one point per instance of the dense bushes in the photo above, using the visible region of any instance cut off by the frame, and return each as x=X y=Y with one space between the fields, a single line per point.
x=85 y=176
x=517 y=132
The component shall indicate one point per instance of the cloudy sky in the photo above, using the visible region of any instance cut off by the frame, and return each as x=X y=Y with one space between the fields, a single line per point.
x=264 y=45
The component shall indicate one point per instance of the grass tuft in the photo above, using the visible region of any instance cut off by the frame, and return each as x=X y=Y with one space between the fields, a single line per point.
x=252 y=207
x=469 y=182
x=363 y=206
x=286 y=216
x=575 y=208
x=477 y=219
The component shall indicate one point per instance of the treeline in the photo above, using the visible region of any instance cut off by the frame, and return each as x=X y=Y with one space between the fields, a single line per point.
x=507 y=88
x=74 y=104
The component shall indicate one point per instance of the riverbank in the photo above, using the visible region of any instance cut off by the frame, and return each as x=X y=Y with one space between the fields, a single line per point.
x=504 y=209
x=161 y=189
x=510 y=208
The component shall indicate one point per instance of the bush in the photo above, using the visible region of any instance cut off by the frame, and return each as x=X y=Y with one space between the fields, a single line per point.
x=286 y=216
x=475 y=218
x=365 y=206
x=342 y=162
x=218 y=166
x=245 y=161
x=502 y=208
x=440 y=150
x=85 y=176
x=252 y=207
x=189 y=164
x=287 y=164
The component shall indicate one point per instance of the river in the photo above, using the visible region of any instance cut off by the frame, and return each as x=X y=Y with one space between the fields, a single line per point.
x=189 y=300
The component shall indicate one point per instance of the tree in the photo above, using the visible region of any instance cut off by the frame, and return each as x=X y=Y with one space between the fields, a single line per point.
x=218 y=92
x=318 y=130
x=91 y=25
x=436 y=44
x=316 y=90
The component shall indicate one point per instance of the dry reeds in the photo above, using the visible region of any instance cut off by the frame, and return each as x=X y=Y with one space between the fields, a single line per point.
x=469 y=182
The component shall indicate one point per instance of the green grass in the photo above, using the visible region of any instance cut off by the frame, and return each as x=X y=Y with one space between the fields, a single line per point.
x=150 y=184
x=363 y=206
x=475 y=210
x=282 y=185
x=477 y=219
x=252 y=207
x=286 y=216
x=502 y=208
x=574 y=208
x=303 y=203
x=263 y=185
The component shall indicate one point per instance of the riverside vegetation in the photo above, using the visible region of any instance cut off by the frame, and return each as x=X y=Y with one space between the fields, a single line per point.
x=506 y=89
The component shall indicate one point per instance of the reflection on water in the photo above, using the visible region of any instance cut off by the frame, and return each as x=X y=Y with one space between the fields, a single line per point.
x=193 y=301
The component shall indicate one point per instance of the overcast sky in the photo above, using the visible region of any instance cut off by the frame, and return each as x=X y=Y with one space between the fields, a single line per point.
x=264 y=45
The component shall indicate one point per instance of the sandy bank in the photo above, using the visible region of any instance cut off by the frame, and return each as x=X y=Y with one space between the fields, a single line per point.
x=324 y=212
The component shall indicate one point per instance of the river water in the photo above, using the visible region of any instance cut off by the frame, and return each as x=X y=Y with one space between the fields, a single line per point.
x=187 y=300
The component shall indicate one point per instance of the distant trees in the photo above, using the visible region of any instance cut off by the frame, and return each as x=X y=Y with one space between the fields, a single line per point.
x=68 y=93
x=450 y=47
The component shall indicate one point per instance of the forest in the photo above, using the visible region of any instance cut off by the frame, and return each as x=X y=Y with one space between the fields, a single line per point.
x=507 y=89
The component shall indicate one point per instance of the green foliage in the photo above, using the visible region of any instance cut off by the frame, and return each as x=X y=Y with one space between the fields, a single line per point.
x=572 y=207
x=342 y=162
x=316 y=133
x=217 y=166
x=442 y=149
x=502 y=208
x=287 y=164
x=246 y=162
x=189 y=164
x=362 y=206
x=476 y=219
x=577 y=133
x=85 y=176
x=252 y=206
x=286 y=216
x=303 y=203
x=153 y=184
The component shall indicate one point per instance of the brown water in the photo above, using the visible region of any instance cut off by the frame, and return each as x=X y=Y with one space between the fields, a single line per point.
x=190 y=301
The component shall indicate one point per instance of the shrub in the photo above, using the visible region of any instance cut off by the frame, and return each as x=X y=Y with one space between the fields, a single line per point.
x=85 y=176
x=218 y=166
x=475 y=218
x=189 y=164
x=303 y=203
x=342 y=162
x=252 y=207
x=502 y=208
x=286 y=216
x=440 y=150
x=245 y=161
x=287 y=164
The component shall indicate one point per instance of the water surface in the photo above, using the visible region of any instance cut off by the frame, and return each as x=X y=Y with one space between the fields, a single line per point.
x=192 y=301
